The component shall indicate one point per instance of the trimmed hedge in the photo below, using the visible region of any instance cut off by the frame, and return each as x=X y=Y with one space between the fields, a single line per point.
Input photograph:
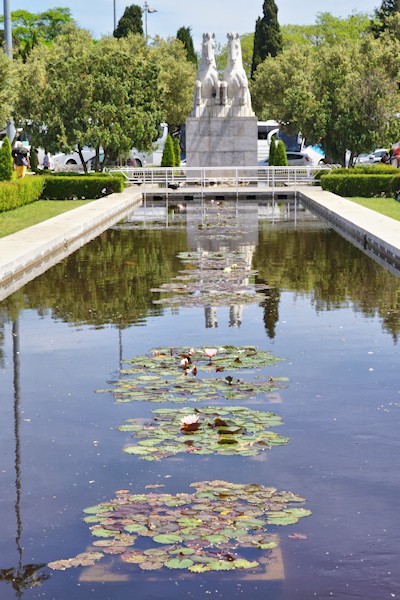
x=80 y=187
x=14 y=194
x=376 y=169
x=366 y=186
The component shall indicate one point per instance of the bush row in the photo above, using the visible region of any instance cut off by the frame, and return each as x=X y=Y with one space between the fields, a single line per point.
x=366 y=186
x=70 y=188
x=14 y=194
x=376 y=169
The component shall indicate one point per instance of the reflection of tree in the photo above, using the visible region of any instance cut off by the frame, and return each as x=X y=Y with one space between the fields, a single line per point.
x=271 y=311
x=325 y=265
x=23 y=576
x=109 y=280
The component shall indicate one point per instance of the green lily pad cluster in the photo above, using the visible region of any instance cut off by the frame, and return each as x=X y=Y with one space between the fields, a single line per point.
x=228 y=430
x=175 y=375
x=199 y=532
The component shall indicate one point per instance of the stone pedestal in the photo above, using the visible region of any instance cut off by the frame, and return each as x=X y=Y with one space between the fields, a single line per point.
x=221 y=142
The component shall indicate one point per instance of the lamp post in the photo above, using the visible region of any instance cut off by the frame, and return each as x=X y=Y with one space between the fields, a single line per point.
x=115 y=15
x=8 y=50
x=146 y=10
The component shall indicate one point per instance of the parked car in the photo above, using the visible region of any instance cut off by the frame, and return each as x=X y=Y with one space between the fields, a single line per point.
x=371 y=158
x=295 y=159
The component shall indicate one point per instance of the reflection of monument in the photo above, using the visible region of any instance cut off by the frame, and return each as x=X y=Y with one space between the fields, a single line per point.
x=221 y=130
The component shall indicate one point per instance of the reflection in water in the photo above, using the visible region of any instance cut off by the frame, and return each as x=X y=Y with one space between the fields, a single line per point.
x=23 y=576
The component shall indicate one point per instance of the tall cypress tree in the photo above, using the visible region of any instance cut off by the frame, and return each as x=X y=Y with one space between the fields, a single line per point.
x=130 y=22
x=387 y=9
x=185 y=36
x=267 y=36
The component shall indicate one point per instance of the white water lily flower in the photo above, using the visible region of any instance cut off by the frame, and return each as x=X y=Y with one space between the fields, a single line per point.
x=190 y=422
x=210 y=352
x=184 y=363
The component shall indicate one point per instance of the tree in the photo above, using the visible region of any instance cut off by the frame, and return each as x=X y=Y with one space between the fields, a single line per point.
x=341 y=96
x=387 y=9
x=177 y=78
x=8 y=87
x=280 y=157
x=184 y=34
x=327 y=30
x=92 y=94
x=29 y=29
x=267 y=36
x=6 y=161
x=130 y=22
x=168 y=157
x=272 y=151
x=177 y=152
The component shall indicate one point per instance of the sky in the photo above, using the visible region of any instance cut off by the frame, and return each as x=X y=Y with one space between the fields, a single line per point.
x=217 y=16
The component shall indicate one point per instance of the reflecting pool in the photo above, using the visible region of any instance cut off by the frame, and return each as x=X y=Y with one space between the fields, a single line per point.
x=200 y=276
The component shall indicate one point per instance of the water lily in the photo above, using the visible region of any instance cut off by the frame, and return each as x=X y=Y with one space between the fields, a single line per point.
x=190 y=423
x=184 y=363
x=210 y=352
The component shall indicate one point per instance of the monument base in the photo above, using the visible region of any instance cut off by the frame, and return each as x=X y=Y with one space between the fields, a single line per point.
x=221 y=142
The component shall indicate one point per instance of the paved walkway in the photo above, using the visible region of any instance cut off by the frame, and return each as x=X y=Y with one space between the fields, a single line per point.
x=28 y=253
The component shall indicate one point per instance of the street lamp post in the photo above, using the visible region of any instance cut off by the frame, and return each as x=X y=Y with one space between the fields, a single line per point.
x=115 y=15
x=8 y=49
x=146 y=10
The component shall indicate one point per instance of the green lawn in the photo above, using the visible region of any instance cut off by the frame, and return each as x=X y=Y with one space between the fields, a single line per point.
x=31 y=214
x=386 y=206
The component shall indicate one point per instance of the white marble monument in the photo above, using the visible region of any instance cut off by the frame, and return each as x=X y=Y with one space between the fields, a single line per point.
x=221 y=130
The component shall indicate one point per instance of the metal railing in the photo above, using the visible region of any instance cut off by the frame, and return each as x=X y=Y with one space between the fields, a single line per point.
x=222 y=177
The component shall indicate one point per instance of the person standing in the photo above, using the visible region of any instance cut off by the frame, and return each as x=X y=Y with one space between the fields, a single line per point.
x=46 y=161
x=21 y=159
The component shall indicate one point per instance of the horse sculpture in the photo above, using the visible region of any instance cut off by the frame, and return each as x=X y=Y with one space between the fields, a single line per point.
x=208 y=84
x=235 y=78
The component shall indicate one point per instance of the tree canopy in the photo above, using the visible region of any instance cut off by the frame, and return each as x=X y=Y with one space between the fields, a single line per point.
x=184 y=34
x=267 y=35
x=92 y=94
x=387 y=9
x=130 y=22
x=8 y=87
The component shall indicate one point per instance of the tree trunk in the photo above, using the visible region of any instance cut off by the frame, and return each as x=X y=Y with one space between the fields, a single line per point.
x=84 y=165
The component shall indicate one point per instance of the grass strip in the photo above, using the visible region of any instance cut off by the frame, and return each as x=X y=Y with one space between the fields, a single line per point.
x=385 y=206
x=32 y=214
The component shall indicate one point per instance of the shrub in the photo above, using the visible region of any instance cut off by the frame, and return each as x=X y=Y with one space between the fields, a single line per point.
x=376 y=169
x=33 y=159
x=70 y=188
x=366 y=186
x=6 y=161
x=14 y=194
x=280 y=157
x=177 y=152
x=168 y=157
x=272 y=151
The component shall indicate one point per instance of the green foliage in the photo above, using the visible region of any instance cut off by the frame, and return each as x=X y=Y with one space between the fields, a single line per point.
x=177 y=152
x=30 y=29
x=280 y=157
x=184 y=34
x=71 y=188
x=33 y=159
x=176 y=78
x=387 y=9
x=272 y=151
x=267 y=36
x=92 y=94
x=168 y=157
x=14 y=194
x=341 y=96
x=8 y=87
x=327 y=30
x=6 y=161
x=376 y=169
x=367 y=186
x=130 y=22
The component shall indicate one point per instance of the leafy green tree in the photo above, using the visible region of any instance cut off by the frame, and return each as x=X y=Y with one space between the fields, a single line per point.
x=92 y=94
x=8 y=87
x=184 y=34
x=177 y=152
x=6 y=161
x=341 y=96
x=29 y=29
x=130 y=22
x=327 y=30
x=168 y=157
x=267 y=36
x=177 y=78
x=387 y=9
